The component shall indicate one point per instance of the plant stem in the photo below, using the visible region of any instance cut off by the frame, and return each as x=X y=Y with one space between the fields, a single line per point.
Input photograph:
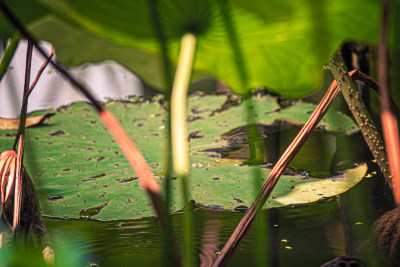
x=360 y=113
x=188 y=232
x=28 y=92
x=179 y=135
x=172 y=253
x=21 y=138
x=246 y=222
x=24 y=105
x=388 y=117
x=8 y=54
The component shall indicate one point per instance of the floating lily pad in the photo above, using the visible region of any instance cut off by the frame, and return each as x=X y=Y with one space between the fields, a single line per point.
x=79 y=171
x=12 y=124
x=232 y=186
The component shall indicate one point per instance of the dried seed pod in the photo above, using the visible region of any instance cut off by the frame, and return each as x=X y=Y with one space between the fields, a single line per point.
x=8 y=161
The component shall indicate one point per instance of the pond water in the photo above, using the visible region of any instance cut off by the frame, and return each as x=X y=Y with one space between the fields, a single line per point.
x=307 y=235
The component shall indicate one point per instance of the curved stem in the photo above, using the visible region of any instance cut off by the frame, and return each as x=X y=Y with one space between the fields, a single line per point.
x=179 y=134
x=180 y=147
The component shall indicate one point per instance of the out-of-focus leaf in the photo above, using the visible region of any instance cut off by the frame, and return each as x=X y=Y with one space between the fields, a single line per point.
x=284 y=44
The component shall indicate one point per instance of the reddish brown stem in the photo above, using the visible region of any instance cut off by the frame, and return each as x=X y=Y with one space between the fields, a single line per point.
x=132 y=153
x=388 y=118
x=41 y=71
x=266 y=189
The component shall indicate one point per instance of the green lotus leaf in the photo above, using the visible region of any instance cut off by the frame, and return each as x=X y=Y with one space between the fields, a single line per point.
x=281 y=45
x=79 y=171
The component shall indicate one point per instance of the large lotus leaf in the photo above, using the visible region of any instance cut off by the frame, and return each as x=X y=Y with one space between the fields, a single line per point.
x=284 y=44
x=78 y=170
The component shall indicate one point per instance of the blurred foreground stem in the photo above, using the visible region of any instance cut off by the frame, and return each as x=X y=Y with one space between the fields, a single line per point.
x=8 y=54
x=388 y=118
x=179 y=135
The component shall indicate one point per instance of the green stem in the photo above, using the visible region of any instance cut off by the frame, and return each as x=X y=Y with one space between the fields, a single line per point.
x=179 y=133
x=24 y=106
x=360 y=114
x=8 y=54
x=187 y=224
x=172 y=253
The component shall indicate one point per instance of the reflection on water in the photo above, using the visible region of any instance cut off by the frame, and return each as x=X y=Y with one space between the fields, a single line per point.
x=306 y=235
x=320 y=155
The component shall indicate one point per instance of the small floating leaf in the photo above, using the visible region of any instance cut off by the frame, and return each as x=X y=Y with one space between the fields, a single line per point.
x=12 y=124
x=323 y=188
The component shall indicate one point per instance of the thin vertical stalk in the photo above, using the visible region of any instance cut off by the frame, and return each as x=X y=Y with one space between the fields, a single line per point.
x=172 y=253
x=253 y=134
x=179 y=135
x=21 y=137
x=248 y=219
x=388 y=117
x=24 y=106
x=8 y=54
x=188 y=231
